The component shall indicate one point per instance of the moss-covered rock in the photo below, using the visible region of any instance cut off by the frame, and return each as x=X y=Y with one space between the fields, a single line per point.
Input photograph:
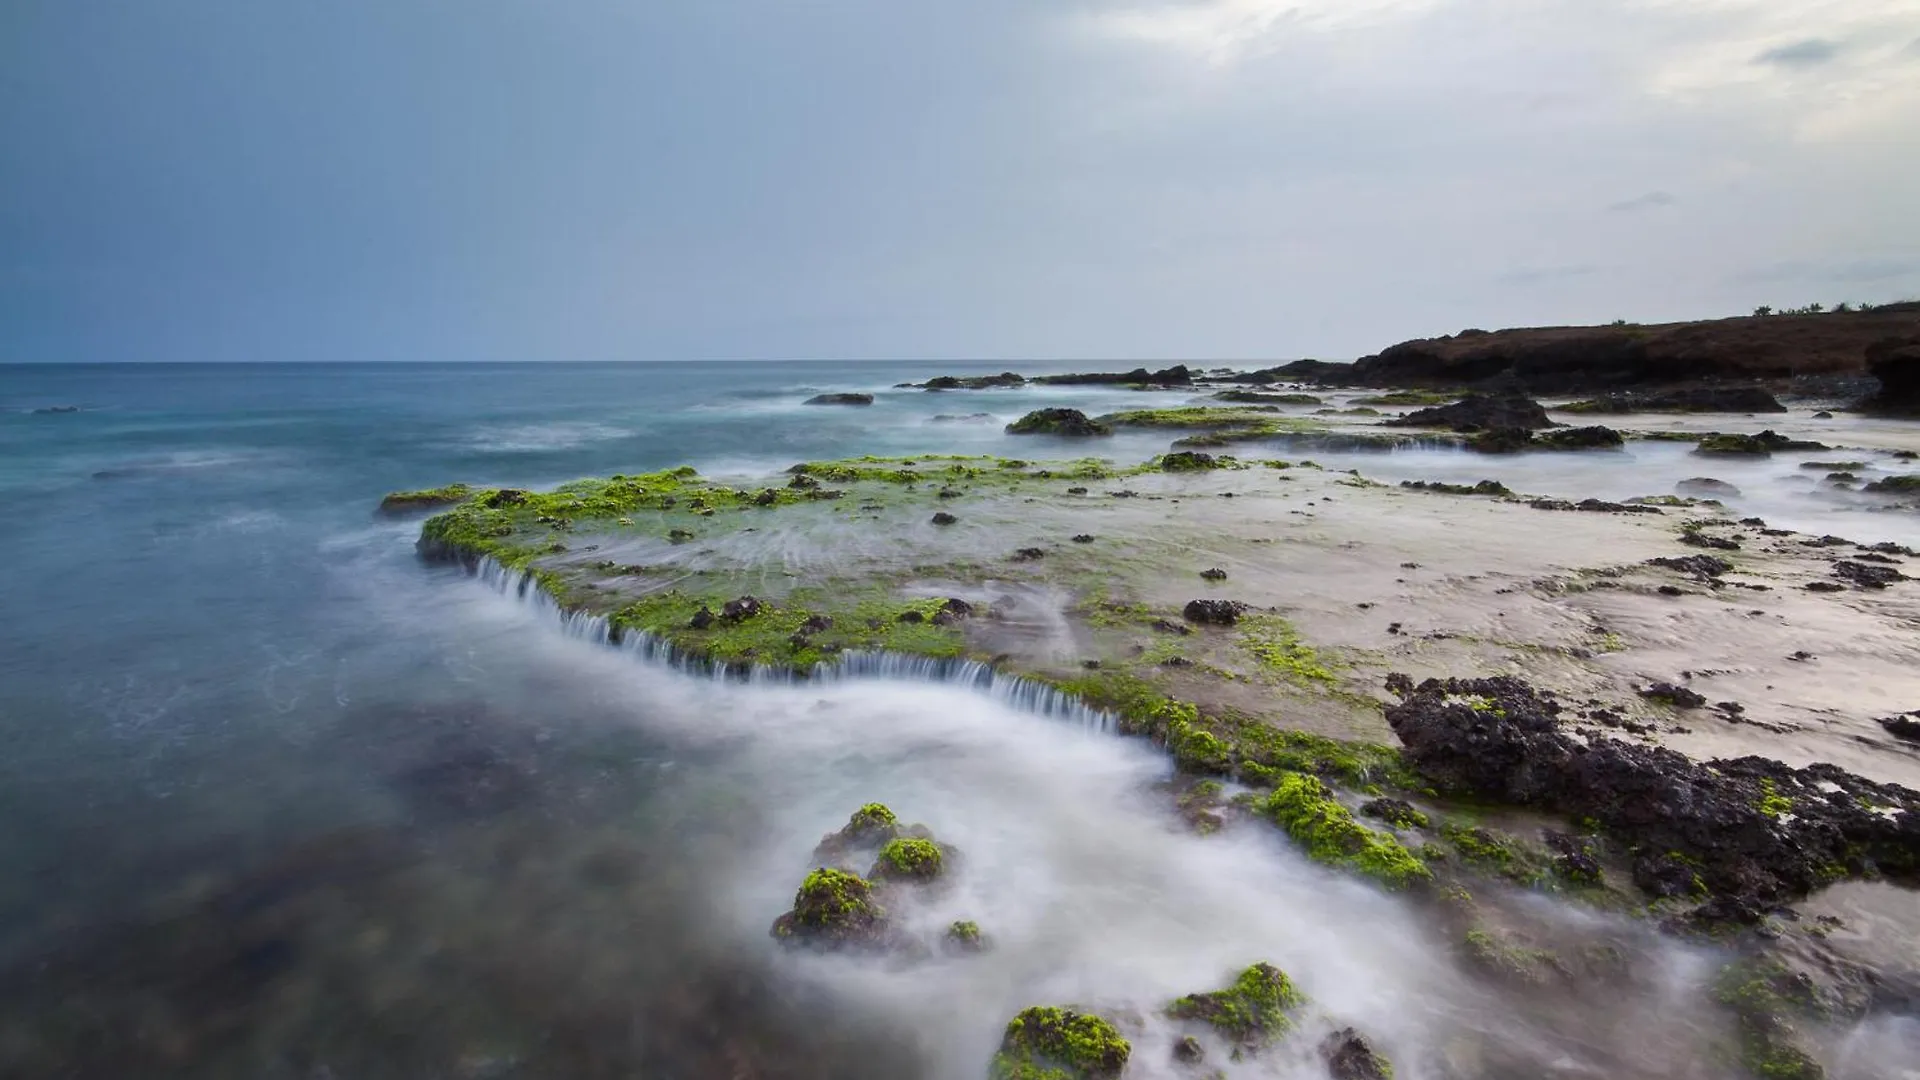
x=1765 y=998
x=1350 y=1057
x=1305 y=807
x=1071 y=422
x=908 y=859
x=964 y=936
x=1054 y=1043
x=834 y=909
x=1254 y=1011
x=870 y=827
x=407 y=502
x=1398 y=813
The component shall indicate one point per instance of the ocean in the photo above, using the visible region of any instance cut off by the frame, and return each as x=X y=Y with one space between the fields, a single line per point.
x=282 y=800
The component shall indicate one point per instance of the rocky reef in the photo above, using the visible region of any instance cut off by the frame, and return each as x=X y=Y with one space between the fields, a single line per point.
x=1070 y=422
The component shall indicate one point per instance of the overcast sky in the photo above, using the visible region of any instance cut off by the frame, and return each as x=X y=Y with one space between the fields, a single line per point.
x=1197 y=179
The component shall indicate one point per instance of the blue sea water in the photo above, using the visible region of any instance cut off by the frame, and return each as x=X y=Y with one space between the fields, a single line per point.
x=212 y=652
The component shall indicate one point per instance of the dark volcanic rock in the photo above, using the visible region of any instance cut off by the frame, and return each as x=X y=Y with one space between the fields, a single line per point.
x=1582 y=438
x=1187 y=461
x=1895 y=362
x=1349 y=1057
x=974 y=382
x=1752 y=832
x=1677 y=696
x=1733 y=399
x=746 y=607
x=1702 y=567
x=1903 y=727
x=1214 y=612
x=1057 y=422
x=1480 y=412
x=1866 y=575
x=1177 y=375
x=944 y=518
x=840 y=399
x=1601 y=359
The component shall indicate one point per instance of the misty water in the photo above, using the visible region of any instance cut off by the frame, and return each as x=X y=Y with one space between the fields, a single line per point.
x=284 y=801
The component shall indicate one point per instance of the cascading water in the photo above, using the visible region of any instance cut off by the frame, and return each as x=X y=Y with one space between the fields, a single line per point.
x=1028 y=695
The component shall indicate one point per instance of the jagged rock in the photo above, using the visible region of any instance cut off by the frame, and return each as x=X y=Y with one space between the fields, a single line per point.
x=944 y=518
x=840 y=399
x=741 y=609
x=1214 y=574
x=1677 y=696
x=1481 y=412
x=1187 y=461
x=1867 y=575
x=703 y=618
x=1751 y=832
x=1349 y=1057
x=1057 y=422
x=1213 y=612
x=1701 y=567
x=1903 y=727
x=1582 y=438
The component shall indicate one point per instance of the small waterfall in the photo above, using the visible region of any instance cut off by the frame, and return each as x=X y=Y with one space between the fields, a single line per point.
x=1029 y=695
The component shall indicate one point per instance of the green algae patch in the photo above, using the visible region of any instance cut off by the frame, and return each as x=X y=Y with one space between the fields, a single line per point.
x=403 y=502
x=1193 y=416
x=794 y=634
x=1402 y=398
x=1276 y=646
x=1054 y=1043
x=908 y=858
x=1307 y=810
x=1508 y=960
x=1772 y=803
x=835 y=908
x=1253 y=1012
x=1764 y=999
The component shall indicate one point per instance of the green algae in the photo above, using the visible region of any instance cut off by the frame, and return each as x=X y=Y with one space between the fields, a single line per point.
x=1195 y=416
x=1410 y=397
x=1054 y=1043
x=908 y=858
x=1772 y=803
x=1514 y=962
x=1764 y=999
x=1307 y=810
x=780 y=634
x=830 y=903
x=398 y=502
x=1253 y=1012
x=1276 y=645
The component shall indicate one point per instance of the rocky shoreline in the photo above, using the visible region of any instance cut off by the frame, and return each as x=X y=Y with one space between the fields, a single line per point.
x=1208 y=604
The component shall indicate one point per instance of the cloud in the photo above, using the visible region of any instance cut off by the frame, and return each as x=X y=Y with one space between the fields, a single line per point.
x=1811 y=52
x=1544 y=275
x=1642 y=202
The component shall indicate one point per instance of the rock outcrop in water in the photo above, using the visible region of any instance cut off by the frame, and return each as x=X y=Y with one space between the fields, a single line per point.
x=1480 y=412
x=1253 y=1012
x=1055 y=1043
x=836 y=910
x=840 y=399
x=1071 y=422
x=1747 y=832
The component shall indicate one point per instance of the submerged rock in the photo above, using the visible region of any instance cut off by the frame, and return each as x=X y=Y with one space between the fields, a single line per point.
x=1350 y=1057
x=840 y=399
x=407 y=502
x=1754 y=445
x=1706 y=487
x=963 y=936
x=944 y=518
x=1057 y=422
x=1750 y=831
x=1867 y=575
x=1481 y=412
x=1054 y=1043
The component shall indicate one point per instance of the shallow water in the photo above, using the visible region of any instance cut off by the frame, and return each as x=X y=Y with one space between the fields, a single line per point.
x=290 y=803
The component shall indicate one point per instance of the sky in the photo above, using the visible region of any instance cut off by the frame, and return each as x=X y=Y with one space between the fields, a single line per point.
x=324 y=180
